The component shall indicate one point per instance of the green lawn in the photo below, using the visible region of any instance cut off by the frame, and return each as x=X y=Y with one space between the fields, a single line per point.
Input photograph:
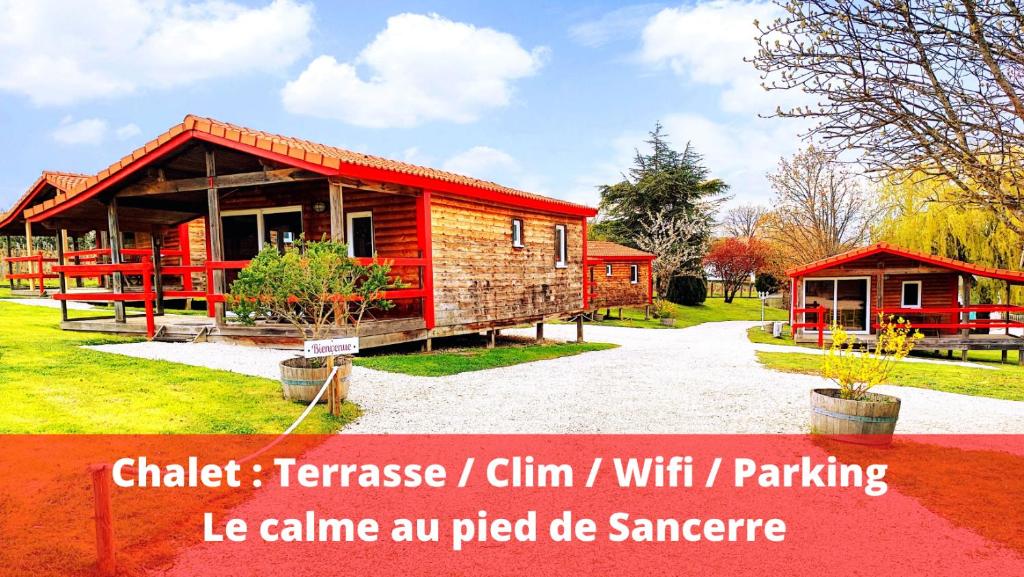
x=464 y=357
x=1002 y=382
x=49 y=384
x=713 y=310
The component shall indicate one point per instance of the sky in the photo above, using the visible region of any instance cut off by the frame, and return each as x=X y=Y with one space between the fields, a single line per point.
x=549 y=97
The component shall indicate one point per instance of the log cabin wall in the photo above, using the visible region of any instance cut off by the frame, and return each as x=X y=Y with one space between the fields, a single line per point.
x=617 y=290
x=480 y=278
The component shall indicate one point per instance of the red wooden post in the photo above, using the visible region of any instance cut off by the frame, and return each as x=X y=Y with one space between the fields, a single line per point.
x=423 y=233
x=586 y=269
x=821 y=327
x=147 y=294
x=210 y=309
x=184 y=246
x=650 y=281
x=107 y=564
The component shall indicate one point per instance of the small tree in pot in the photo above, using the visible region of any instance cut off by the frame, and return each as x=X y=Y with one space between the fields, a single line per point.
x=852 y=410
x=315 y=287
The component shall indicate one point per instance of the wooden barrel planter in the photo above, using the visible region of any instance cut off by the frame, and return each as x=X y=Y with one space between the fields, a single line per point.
x=301 y=382
x=871 y=421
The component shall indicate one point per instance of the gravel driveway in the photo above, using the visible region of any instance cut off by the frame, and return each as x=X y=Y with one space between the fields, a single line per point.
x=702 y=379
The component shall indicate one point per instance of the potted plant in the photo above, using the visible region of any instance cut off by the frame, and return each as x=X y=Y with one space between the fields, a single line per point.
x=663 y=312
x=853 y=410
x=316 y=287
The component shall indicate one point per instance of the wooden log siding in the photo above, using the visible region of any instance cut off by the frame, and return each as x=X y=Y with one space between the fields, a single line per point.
x=479 y=277
x=616 y=290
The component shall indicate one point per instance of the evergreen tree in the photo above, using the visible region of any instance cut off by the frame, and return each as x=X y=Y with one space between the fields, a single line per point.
x=671 y=184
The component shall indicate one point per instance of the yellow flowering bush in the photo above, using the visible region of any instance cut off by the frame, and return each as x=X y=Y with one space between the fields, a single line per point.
x=856 y=372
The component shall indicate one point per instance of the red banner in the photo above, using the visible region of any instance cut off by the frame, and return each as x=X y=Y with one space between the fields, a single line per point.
x=511 y=505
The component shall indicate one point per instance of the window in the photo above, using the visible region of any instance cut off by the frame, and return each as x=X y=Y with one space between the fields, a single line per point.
x=517 y=233
x=911 y=294
x=360 y=234
x=634 y=273
x=607 y=270
x=561 y=250
x=845 y=301
x=248 y=231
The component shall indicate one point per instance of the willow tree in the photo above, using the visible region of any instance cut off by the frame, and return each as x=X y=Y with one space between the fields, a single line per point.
x=920 y=213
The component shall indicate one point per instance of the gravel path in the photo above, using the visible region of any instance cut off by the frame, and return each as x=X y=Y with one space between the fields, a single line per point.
x=703 y=379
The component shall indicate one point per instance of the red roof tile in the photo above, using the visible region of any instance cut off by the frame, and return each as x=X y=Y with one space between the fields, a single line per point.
x=610 y=250
x=884 y=247
x=328 y=157
x=62 y=181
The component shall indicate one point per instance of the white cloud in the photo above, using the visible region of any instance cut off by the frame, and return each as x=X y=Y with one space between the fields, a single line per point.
x=419 y=68
x=487 y=163
x=85 y=131
x=127 y=131
x=58 y=53
x=618 y=23
x=739 y=154
x=707 y=42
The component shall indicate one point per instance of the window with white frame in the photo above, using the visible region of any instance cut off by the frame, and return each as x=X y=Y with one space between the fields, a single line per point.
x=607 y=270
x=561 y=249
x=517 y=233
x=360 y=234
x=634 y=273
x=911 y=292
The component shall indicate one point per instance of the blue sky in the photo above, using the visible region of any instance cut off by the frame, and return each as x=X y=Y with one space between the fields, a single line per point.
x=548 y=97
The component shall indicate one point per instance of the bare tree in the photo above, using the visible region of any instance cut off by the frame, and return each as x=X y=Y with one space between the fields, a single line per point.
x=935 y=86
x=679 y=243
x=743 y=221
x=820 y=208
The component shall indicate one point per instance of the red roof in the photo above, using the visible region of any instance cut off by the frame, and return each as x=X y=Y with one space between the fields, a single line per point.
x=62 y=181
x=601 y=249
x=327 y=160
x=886 y=248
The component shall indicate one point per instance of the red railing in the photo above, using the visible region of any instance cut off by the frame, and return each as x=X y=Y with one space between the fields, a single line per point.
x=37 y=269
x=142 y=269
x=818 y=324
x=957 y=312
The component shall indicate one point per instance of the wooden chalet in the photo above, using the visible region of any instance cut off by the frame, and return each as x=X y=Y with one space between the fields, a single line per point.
x=200 y=200
x=933 y=293
x=618 y=275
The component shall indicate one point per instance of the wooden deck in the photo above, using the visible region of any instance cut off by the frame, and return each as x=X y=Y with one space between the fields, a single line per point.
x=975 y=342
x=194 y=328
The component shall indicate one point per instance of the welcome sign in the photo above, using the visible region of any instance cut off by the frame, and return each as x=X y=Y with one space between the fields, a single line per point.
x=330 y=347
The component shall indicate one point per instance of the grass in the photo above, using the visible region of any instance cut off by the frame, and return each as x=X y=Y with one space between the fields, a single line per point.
x=712 y=310
x=49 y=384
x=1002 y=382
x=467 y=354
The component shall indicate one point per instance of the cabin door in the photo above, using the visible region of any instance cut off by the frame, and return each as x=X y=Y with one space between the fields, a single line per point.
x=246 y=232
x=846 y=301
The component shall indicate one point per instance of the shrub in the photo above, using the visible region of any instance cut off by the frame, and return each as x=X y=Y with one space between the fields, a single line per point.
x=766 y=283
x=687 y=290
x=313 y=286
x=857 y=372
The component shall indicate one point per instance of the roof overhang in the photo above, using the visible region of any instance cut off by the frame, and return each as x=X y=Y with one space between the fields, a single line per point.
x=179 y=136
x=885 y=248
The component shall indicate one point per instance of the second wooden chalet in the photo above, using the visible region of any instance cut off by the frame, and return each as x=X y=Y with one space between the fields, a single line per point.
x=474 y=255
x=619 y=276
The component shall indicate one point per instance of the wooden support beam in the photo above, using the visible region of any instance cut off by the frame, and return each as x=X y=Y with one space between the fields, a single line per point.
x=239 y=180
x=492 y=338
x=28 y=250
x=103 y=515
x=540 y=332
x=10 y=265
x=966 y=297
x=216 y=232
x=74 y=247
x=114 y=237
x=337 y=199
x=381 y=187
x=156 y=242
x=579 y=328
x=1003 y=356
x=62 y=239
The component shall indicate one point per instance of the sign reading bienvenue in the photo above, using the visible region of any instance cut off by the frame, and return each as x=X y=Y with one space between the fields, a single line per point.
x=330 y=347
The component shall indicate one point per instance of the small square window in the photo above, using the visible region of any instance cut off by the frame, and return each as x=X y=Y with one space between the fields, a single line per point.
x=634 y=273
x=561 y=250
x=517 y=232
x=607 y=270
x=911 y=298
